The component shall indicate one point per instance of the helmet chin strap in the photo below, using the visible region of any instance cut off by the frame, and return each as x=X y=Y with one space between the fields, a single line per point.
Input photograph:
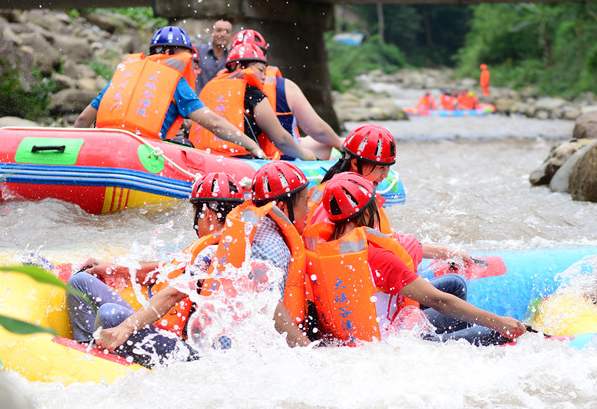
x=290 y=209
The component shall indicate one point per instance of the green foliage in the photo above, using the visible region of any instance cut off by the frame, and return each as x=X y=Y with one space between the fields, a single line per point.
x=427 y=34
x=16 y=101
x=549 y=46
x=23 y=328
x=143 y=16
x=347 y=62
x=101 y=69
x=37 y=273
x=73 y=13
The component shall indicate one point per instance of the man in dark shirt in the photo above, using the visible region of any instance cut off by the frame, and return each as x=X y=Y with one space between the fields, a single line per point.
x=212 y=56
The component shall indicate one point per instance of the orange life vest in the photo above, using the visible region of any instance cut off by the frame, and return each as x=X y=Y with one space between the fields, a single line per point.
x=467 y=101
x=279 y=102
x=349 y=305
x=238 y=234
x=269 y=84
x=225 y=95
x=448 y=102
x=141 y=91
x=176 y=319
x=317 y=213
x=426 y=103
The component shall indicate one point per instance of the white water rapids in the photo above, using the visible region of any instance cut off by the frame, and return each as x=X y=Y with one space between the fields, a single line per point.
x=462 y=192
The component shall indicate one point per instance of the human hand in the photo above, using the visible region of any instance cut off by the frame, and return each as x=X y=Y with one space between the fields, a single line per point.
x=461 y=254
x=509 y=327
x=258 y=152
x=112 y=338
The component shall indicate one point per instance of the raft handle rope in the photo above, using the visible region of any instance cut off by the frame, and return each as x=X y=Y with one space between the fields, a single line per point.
x=156 y=151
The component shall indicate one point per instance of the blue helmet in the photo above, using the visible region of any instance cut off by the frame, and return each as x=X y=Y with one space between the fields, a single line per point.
x=170 y=36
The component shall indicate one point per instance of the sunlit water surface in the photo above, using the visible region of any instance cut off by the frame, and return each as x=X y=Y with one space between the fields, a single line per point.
x=465 y=193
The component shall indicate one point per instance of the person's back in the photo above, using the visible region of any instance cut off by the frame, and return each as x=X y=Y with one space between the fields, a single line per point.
x=237 y=94
x=290 y=104
x=361 y=277
x=150 y=96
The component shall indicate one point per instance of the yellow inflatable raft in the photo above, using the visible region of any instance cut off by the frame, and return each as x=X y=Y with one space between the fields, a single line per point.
x=44 y=357
x=566 y=314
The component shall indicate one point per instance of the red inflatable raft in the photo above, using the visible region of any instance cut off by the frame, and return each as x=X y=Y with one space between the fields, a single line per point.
x=102 y=170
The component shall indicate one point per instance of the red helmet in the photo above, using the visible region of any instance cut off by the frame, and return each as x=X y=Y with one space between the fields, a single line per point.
x=346 y=195
x=250 y=37
x=372 y=143
x=247 y=52
x=216 y=186
x=276 y=180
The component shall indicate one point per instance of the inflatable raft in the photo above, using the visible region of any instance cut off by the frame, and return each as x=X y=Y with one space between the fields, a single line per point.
x=484 y=109
x=44 y=357
x=107 y=170
x=523 y=284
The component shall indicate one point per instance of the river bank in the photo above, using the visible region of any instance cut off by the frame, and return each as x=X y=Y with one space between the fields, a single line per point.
x=406 y=86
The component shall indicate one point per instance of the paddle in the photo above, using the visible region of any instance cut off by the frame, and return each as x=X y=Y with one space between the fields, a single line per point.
x=534 y=331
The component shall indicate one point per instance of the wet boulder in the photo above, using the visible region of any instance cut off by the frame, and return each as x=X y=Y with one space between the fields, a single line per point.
x=557 y=157
x=583 y=180
x=561 y=180
x=586 y=126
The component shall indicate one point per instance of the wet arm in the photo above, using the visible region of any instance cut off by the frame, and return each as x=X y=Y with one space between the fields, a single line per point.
x=86 y=118
x=425 y=293
x=284 y=324
x=268 y=122
x=308 y=120
x=436 y=251
x=159 y=305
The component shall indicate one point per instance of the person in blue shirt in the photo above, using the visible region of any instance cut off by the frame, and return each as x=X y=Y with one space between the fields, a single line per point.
x=185 y=103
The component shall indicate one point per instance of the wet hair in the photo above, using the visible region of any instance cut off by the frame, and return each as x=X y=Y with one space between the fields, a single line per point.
x=367 y=217
x=290 y=200
x=343 y=165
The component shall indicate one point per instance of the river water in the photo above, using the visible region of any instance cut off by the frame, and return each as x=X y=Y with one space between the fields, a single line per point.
x=467 y=183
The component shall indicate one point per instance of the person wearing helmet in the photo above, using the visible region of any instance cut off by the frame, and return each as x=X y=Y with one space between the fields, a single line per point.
x=370 y=151
x=290 y=104
x=213 y=197
x=151 y=95
x=213 y=56
x=365 y=284
x=268 y=229
x=238 y=94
